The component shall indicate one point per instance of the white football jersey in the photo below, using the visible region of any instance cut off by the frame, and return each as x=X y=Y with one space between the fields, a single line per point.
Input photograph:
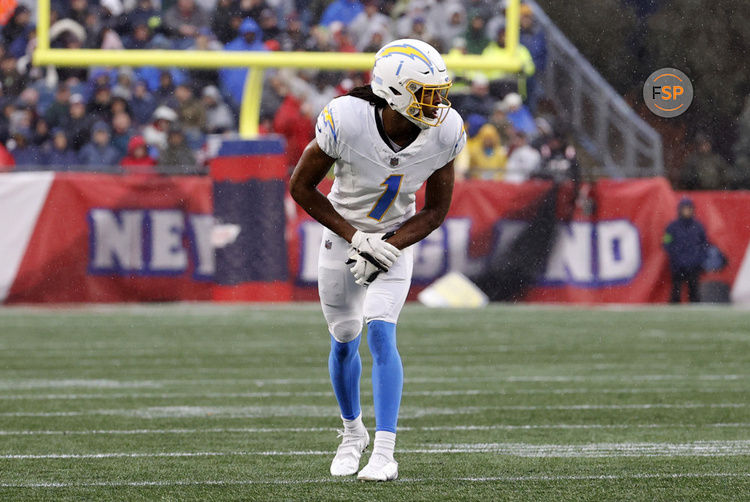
x=375 y=187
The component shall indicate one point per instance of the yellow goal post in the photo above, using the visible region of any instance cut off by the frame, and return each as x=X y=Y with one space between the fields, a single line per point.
x=256 y=61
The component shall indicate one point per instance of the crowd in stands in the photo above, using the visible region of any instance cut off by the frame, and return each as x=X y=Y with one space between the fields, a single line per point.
x=150 y=120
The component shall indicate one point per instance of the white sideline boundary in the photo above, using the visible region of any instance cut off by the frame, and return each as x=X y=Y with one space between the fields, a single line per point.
x=590 y=450
x=487 y=479
x=261 y=430
x=325 y=411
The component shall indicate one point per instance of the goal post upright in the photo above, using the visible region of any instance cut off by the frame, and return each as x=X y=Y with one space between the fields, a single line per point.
x=256 y=62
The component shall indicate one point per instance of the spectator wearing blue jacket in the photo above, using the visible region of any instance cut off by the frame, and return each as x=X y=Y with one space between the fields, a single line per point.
x=532 y=37
x=686 y=245
x=143 y=103
x=232 y=80
x=519 y=115
x=61 y=157
x=28 y=156
x=343 y=11
x=99 y=154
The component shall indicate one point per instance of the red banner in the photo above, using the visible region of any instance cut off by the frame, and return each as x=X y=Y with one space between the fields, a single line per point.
x=612 y=253
x=102 y=238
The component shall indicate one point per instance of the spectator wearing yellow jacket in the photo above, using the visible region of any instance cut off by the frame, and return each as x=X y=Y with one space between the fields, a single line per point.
x=500 y=78
x=487 y=156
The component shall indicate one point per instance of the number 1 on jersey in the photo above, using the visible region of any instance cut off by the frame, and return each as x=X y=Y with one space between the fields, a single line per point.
x=392 y=185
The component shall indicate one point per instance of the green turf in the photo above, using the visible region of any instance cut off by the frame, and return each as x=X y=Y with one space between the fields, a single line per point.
x=200 y=402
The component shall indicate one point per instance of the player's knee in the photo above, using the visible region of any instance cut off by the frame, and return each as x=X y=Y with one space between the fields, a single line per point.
x=343 y=352
x=345 y=331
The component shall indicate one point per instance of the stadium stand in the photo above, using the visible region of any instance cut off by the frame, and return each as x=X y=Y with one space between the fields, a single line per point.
x=100 y=119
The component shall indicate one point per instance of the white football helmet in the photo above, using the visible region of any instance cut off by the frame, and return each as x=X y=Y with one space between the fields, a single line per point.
x=411 y=76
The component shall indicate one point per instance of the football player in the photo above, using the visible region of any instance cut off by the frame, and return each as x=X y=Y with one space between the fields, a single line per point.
x=385 y=141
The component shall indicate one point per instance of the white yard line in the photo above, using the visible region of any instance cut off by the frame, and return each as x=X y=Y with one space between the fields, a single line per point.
x=262 y=430
x=591 y=450
x=416 y=393
x=600 y=450
x=331 y=480
x=324 y=411
x=77 y=382
x=22 y=384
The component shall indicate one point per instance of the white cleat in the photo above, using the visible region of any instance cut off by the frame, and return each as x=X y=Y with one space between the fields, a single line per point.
x=346 y=461
x=379 y=468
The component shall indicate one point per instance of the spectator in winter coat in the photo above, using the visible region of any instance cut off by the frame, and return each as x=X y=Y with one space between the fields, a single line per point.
x=12 y=81
x=99 y=154
x=60 y=156
x=476 y=40
x=17 y=26
x=532 y=37
x=296 y=33
x=294 y=121
x=233 y=79
x=137 y=161
x=143 y=103
x=487 y=157
x=143 y=14
x=184 y=19
x=686 y=245
x=155 y=133
x=100 y=107
x=78 y=124
x=121 y=132
x=452 y=24
x=190 y=111
x=58 y=110
x=343 y=11
x=222 y=22
x=523 y=161
x=367 y=20
x=704 y=169
x=28 y=157
x=219 y=116
x=17 y=31
x=505 y=81
x=177 y=157
x=140 y=36
x=519 y=115
x=478 y=101
x=202 y=77
x=164 y=92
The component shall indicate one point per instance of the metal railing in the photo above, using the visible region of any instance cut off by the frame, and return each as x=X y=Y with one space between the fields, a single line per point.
x=604 y=125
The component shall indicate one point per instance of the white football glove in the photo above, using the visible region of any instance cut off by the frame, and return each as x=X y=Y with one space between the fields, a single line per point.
x=374 y=249
x=364 y=271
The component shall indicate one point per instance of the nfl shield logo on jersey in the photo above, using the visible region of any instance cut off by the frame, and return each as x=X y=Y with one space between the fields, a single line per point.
x=394 y=161
x=329 y=244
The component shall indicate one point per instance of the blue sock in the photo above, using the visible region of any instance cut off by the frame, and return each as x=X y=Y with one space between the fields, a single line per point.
x=387 y=374
x=345 y=368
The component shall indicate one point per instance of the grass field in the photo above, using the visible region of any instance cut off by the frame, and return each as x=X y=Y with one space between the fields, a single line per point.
x=198 y=402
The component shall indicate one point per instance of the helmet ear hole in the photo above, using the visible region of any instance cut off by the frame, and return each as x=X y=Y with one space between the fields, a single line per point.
x=394 y=91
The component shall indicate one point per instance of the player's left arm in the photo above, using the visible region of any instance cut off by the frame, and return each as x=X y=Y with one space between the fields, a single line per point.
x=438 y=193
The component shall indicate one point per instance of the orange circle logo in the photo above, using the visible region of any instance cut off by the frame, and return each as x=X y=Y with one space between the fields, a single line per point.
x=668 y=92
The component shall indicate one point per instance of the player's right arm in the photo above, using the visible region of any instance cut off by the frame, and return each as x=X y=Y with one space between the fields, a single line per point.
x=312 y=167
